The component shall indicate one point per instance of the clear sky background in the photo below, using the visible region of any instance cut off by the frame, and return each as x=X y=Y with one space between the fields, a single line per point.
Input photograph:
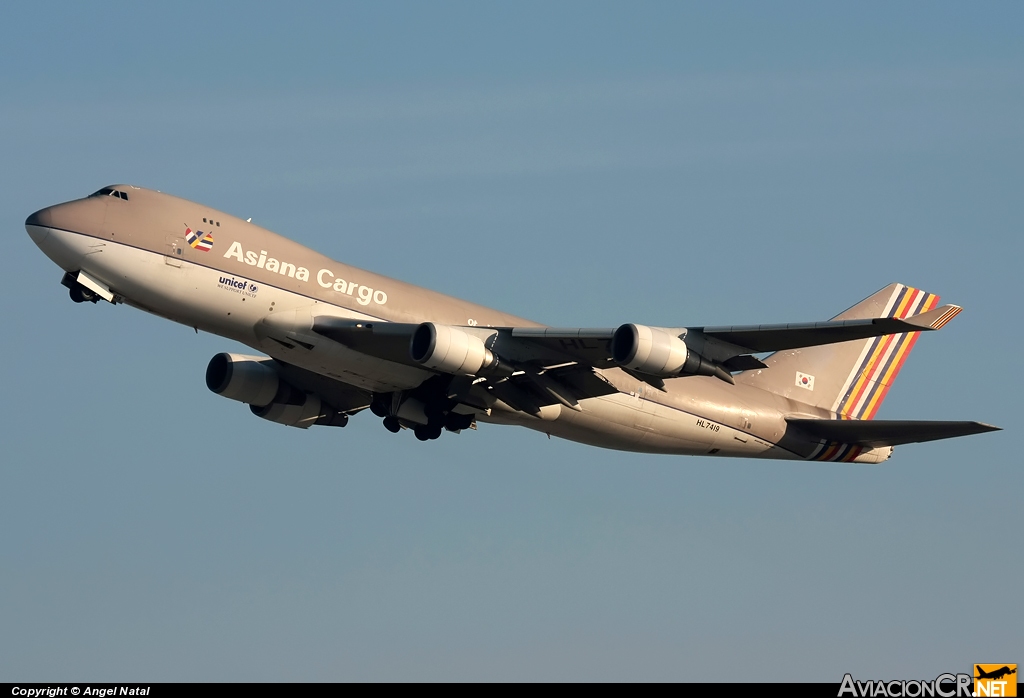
x=575 y=163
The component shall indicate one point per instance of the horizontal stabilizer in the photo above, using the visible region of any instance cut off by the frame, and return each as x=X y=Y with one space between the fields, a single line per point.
x=892 y=432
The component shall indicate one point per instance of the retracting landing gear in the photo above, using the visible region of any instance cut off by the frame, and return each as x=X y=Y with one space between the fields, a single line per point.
x=80 y=294
x=453 y=421
x=427 y=411
x=382 y=408
x=427 y=432
x=84 y=289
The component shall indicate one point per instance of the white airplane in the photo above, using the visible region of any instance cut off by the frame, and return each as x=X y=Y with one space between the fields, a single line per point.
x=338 y=340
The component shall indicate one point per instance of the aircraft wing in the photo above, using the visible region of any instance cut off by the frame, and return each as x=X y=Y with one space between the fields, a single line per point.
x=540 y=346
x=593 y=345
x=712 y=351
x=881 y=432
x=765 y=338
x=538 y=377
x=383 y=340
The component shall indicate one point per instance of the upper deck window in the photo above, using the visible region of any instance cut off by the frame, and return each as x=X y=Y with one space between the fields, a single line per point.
x=107 y=191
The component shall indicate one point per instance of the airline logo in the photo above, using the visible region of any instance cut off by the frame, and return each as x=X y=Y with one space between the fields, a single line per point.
x=199 y=240
x=363 y=295
x=995 y=680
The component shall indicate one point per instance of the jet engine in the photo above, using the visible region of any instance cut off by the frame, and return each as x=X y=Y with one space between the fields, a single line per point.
x=301 y=410
x=249 y=379
x=255 y=381
x=656 y=351
x=452 y=350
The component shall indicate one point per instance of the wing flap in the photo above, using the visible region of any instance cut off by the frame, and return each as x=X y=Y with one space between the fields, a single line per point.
x=382 y=340
x=893 y=432
x=581 y=381
x=588 y=345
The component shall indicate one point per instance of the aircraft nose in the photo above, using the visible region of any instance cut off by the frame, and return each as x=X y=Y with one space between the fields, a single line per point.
x=38 y=224
x=42 y=217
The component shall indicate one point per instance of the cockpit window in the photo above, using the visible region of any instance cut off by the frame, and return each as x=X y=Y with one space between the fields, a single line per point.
x=107 y=191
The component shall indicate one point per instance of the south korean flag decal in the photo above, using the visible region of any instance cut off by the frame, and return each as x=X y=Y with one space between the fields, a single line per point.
x=804 y=380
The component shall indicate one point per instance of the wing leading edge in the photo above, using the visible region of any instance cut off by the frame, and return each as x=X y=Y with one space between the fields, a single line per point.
x=764 y=338
x=723 y=349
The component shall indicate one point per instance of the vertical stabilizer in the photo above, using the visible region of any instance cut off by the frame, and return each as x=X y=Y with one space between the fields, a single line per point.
x=850 y=379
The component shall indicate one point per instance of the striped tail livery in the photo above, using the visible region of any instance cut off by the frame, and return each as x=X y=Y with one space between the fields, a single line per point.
x=849 y=379
x=882 y=357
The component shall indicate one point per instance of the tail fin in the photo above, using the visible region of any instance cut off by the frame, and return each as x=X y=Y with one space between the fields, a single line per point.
x=850 y=379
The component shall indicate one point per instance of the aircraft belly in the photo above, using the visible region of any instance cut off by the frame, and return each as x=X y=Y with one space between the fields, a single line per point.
x=672 y=426
x=619 y=422
x=609 y=420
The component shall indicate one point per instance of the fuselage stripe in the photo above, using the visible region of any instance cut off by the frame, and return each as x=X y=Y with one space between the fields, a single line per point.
x=831 y=451
x=852 y=455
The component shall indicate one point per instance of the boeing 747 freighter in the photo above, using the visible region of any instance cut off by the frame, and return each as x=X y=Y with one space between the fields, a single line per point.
x=335 y=341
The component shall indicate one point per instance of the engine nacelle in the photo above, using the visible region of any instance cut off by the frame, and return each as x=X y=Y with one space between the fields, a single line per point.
x=451 y=350
x=650 y=350
x=656 y=351
x=255 y=381
x=303 y=412
x=249 y=379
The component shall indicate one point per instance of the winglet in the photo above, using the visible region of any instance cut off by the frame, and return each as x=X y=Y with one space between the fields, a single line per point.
x=934 y=319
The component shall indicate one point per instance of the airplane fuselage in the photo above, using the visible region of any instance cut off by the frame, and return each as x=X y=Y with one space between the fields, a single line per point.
x=212 y=271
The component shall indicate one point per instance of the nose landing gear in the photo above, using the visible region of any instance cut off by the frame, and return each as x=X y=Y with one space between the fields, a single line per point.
x=84 y=289
x=80 y=294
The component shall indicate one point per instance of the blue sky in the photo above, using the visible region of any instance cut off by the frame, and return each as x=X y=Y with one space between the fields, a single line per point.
x=575 y=163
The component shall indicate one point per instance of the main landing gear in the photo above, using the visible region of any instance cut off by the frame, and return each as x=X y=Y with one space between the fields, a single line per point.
x=423 y=432
x=427 y=432
x=426 y=412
